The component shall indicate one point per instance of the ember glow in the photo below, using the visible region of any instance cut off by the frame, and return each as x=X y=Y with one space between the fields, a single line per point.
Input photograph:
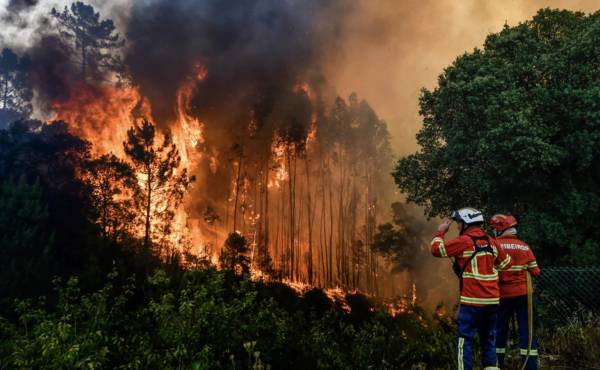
x=102 y=114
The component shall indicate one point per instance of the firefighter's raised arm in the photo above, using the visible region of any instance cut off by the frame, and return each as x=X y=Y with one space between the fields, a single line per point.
x=441 y=248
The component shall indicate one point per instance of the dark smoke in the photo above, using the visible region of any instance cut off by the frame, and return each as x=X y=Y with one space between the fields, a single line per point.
x=20 y=5
x=256 y=54
x=53 y=75
x=254 y=51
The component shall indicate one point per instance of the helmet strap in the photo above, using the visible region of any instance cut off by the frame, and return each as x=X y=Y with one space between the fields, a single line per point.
x=463 y=227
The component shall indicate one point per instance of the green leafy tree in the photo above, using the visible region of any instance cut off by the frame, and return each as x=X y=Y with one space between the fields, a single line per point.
x=95 y=41
x=25 y=241
x=516 y=127
x=15 y=89
x=160 y=185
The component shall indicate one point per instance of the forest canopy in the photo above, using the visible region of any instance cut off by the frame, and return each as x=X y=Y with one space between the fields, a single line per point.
x=515 y=127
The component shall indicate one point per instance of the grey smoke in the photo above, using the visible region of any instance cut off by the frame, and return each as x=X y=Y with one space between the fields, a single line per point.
x=253 y=50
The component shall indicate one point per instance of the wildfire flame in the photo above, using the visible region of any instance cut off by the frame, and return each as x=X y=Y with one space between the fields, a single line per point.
x=103 y=114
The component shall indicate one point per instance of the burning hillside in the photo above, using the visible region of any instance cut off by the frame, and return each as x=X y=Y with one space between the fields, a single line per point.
x=263 y=148
x=300 y=185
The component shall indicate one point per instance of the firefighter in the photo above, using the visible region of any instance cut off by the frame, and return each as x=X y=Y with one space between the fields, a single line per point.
x=514 y=291
x=477 y=257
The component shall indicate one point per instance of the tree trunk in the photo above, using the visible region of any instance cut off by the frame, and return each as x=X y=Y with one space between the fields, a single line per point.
x=265 y=214
x=147 y=236
x=291 y=213
x=341 y=241
x=295 y=229
x=237 y=193
x=309 y=266
x=331 y=223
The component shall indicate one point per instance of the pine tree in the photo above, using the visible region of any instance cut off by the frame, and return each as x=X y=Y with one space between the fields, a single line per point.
x=160 y=186
x=94 y=40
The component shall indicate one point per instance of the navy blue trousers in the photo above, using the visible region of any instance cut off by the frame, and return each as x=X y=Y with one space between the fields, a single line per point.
x=476 y=320
x=509 y=307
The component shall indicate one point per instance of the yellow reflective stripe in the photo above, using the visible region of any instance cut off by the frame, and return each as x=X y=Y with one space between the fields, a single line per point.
x=490 y=368
x=441 y=246
x=517 y=268
x=464 y=299
x=504 y=263
x=461 y=344
x=500 y=350
x=533 y=352
x=480 y=276
x=532 y=264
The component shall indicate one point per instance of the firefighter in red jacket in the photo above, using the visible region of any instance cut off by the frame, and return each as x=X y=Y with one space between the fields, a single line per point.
x=477 y=259
x=513 y=290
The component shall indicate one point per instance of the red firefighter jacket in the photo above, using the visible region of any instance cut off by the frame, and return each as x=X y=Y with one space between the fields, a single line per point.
x=513 y=282
x=480 y=278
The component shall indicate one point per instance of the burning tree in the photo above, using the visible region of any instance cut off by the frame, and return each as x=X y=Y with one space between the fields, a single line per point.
x=234 y=255
x=111 y=181
x=160 y=188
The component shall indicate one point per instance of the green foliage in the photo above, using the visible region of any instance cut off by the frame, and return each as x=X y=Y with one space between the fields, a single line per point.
x=200 y=320
x=574 y=343
x=25 y=241
x=516 y=127
x=75 y=335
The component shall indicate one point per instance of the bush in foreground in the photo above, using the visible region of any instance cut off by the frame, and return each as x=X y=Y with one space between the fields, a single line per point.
x=202 y=319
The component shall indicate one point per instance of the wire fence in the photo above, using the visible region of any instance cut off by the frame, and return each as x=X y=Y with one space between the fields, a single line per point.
x=565 y=293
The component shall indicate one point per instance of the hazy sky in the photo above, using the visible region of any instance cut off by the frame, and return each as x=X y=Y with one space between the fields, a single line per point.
x=394 y=48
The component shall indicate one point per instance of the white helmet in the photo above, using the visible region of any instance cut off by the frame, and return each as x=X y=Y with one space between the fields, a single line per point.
x=468 y=216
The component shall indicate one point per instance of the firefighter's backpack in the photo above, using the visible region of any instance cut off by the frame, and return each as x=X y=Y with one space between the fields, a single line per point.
x=458 y=269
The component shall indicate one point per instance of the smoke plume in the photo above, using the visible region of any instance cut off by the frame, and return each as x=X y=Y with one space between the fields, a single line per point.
x=254 y=51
